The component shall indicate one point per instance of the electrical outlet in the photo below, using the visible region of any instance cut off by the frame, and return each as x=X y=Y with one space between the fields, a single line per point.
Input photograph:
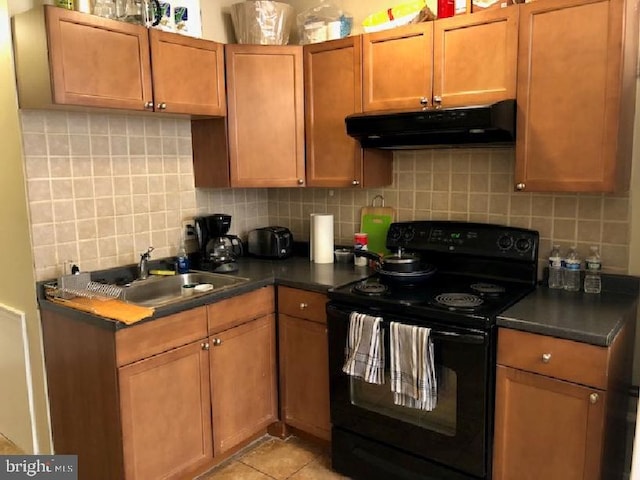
x=189 y=228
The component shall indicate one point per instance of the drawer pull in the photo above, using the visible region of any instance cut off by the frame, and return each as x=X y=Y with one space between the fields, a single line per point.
x=303 y=306
x=593 y=398
x=205 y=346
x=217 y=342
x=546 y=357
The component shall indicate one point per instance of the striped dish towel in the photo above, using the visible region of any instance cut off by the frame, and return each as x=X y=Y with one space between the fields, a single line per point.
x=365 y=348
x=413 y=377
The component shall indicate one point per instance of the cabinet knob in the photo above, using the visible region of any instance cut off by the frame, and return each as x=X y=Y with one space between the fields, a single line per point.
x=303 y=306
x=300 y=181
x=355 y=183
x=217 y=342
x=593 y=398
x=437 y=101
x=424 y=101
x=162 y=106
x=546 y=357
x=204 y=345
x=148 y=105
x=520 y=186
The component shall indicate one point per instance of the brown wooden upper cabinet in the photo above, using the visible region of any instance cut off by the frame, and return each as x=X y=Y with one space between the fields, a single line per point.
x=265 y=115
x=333 y=90
x=65 y=57
x=576 y=95
x=188 y=74
x=463 y=60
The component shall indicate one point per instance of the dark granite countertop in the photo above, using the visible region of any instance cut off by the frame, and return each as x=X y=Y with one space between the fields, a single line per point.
x=296 y=272
x=583 y=317
x=588 y=318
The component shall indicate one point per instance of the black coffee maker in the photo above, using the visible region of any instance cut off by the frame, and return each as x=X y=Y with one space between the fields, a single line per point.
x=218 y=250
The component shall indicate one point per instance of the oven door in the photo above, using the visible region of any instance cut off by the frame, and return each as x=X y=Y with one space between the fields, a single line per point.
x=456 y=432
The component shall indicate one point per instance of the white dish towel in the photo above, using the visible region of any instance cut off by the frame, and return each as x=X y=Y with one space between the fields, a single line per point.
x=364 y=353
x=413 y=377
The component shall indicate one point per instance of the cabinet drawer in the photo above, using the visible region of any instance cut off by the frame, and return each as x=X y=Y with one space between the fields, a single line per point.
x=236 y=310
x=151 y=338
x=302 y=304
x=564 y=359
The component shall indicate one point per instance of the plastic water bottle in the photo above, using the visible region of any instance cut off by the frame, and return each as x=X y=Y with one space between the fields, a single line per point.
x=571 y=274
x=592 y=266
x=555 y=268
x=182 y=261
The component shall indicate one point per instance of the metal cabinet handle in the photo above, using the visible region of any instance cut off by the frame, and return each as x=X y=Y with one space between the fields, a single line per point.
x=303 y=306
x=593 y=398
x=437 y=101
x=300 y=181
x=162 y=106
x=217 y=342
x=520 y=187
x=204 y=345
x=424 y=102
x=355 y=183
x=546 y=357
x=148 y=105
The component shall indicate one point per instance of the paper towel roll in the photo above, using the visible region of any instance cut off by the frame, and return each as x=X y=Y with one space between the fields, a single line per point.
x=321 y=240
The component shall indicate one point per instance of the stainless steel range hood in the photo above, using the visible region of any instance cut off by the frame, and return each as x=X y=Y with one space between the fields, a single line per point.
x=465 y=126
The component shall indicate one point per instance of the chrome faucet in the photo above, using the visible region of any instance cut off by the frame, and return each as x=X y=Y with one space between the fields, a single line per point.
x=143 y=266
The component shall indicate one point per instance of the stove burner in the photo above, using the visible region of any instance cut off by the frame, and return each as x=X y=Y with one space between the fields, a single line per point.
x=490 y=288
x=458 y=300
x=370 y=288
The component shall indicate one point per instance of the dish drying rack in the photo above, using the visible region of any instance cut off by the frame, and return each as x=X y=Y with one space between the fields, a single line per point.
x=80 y=285
x=79 y=292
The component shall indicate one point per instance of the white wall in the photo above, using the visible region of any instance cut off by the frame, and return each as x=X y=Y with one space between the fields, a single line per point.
x=17 y=285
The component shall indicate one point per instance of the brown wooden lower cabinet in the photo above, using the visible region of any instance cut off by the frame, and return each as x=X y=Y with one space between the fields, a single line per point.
x=166 y=413
x=243 y=382
x=163 y=399
x=560 y=410
x=546 y=428
x=304 y=371
x=304 y=362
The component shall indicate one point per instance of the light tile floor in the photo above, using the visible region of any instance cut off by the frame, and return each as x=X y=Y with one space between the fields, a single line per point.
x=274 y=459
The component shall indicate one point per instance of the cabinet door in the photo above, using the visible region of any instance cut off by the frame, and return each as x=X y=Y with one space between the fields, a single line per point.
x=568 y=95
x=188 y=74
x=166 y=416
x=333 y=90
x=397 y=67
x=304 y=375
x=546 y=428
x=475 y=57
x=98 y=62
x=243 y=382
x=265 y=115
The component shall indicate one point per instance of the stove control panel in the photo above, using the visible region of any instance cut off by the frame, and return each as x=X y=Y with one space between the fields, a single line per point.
x=481 y=239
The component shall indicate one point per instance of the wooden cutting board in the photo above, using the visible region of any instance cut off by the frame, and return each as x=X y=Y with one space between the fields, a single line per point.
x=114 y=309
x=375 y=221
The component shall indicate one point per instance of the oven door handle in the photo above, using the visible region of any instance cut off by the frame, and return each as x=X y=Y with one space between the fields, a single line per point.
x=458 y=337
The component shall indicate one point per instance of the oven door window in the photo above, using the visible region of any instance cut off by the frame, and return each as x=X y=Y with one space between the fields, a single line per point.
x=379 y=399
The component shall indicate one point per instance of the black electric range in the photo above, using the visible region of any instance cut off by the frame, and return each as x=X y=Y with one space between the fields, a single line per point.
x=479 y=271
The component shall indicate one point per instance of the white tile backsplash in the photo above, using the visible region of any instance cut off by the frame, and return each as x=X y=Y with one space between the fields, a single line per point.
x=103 y=187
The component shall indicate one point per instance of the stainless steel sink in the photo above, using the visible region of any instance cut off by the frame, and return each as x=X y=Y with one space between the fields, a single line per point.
x=157 y=291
